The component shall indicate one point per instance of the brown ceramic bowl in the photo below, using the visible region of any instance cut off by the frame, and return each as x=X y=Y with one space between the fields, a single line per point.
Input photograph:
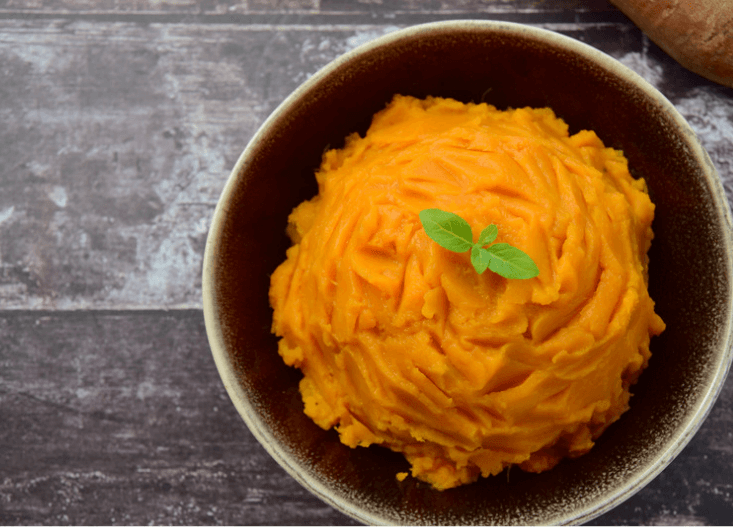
x=507 y=65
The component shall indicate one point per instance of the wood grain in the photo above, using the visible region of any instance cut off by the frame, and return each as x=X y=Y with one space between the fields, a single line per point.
x=56 y=7
x=120 y=418
x=119 y=137
x=118 y=141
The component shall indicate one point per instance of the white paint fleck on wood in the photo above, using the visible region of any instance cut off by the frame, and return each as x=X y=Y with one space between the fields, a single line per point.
x=6 y=214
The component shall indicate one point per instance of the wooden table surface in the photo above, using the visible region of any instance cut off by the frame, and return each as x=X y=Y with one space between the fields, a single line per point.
x=119 y=123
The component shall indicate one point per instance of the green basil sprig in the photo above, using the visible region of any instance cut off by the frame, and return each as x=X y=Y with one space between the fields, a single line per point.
x=452 y=232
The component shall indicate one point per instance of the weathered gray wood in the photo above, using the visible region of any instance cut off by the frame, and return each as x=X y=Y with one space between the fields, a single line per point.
x=118 y=138
x=255 y=6
x=120 y=417
x=153 y=6
x=116 y=144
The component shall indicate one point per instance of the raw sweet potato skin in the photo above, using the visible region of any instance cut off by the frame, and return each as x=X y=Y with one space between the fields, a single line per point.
x=696 y=33
x=403 y=344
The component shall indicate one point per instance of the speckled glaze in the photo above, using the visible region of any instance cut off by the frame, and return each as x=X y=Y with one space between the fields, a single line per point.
x=507 y=65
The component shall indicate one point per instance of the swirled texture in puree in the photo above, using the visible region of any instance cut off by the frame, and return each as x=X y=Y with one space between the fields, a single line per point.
x=403 y=344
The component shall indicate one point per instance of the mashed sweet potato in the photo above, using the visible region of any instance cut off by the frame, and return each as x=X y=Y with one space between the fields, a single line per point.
x=404 y=345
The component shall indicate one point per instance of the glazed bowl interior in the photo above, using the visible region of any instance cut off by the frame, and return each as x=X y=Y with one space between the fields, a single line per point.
x=505 y=65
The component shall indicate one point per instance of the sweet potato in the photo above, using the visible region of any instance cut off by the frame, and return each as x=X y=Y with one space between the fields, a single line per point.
x=402 y=343
x=696 y=33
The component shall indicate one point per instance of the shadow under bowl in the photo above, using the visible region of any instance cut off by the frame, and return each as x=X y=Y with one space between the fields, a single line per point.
x=507 y=65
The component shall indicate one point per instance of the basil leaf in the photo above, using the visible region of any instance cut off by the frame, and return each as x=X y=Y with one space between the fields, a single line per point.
x=488 y=235
x=480 y=258
x=452 y=232
x=511 y=262
x=448 y=230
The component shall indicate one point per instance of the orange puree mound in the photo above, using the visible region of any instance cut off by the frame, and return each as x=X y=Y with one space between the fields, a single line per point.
x=403 y=344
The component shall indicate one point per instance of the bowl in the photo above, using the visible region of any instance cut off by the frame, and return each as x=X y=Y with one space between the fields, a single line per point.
x=507 y=65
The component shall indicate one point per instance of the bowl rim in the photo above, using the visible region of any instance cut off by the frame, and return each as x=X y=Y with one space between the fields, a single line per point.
x=721 y=205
